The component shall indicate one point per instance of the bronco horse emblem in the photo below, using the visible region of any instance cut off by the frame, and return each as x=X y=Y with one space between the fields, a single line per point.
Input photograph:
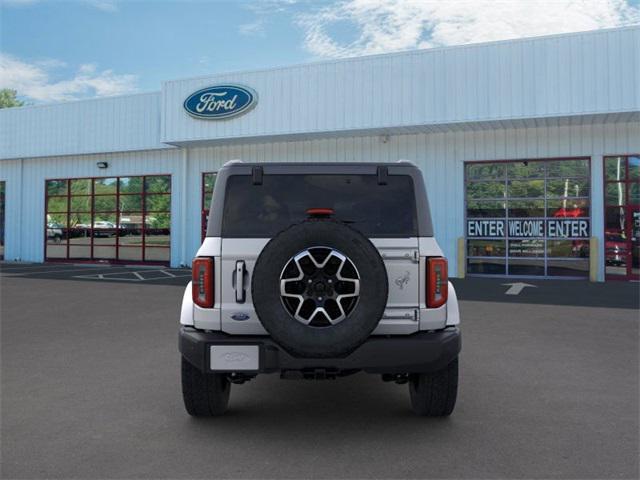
x=403 y=280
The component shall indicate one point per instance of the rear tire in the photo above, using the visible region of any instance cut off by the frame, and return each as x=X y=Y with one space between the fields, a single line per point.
x=204 y=394
x=434 y=394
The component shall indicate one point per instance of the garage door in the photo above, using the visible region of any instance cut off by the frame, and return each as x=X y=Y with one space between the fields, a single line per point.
x=115 y=219
x=528 y=218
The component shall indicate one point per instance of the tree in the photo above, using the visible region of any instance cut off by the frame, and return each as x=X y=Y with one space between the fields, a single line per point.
x=8 y=98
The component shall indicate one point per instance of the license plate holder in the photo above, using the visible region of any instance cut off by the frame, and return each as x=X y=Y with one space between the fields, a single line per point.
x=234 y=358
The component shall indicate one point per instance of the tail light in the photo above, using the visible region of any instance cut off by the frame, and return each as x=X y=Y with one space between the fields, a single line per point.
x=320 y=212
x=202 y=282
x=437 y=282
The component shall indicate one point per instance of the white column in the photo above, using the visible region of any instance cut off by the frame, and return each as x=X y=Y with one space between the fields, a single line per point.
x=184 y=207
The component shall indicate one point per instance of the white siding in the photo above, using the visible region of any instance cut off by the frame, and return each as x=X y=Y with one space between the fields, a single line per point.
x=115 y=124
x=26 y=192
x=439 y=155
x=592 y=73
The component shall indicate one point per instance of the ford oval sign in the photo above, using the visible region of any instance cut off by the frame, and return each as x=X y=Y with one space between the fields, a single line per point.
x=220 y=101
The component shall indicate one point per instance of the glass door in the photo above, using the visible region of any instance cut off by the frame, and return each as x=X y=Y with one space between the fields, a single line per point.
x=635 y=242
x=2 y=186
x=622 y=217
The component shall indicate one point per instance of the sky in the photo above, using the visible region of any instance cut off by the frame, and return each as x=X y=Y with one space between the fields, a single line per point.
x=55 y=50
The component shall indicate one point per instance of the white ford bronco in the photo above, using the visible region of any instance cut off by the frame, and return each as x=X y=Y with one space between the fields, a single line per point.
x=319 y=271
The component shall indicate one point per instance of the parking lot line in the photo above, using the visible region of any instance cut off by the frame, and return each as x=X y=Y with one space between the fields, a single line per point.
x=4 y=272
x=137 y=276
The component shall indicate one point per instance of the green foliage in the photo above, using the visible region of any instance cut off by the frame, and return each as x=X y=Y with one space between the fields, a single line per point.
x=8 y=98
x=158 y=184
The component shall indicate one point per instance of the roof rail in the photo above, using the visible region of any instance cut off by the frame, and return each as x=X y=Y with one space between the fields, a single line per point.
x=402 y=160
x=232 y=162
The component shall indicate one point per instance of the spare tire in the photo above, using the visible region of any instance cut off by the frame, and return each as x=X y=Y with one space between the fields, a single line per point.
x=319 y=288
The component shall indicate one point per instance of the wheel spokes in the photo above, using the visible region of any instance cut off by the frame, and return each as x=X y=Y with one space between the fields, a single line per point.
x=319 y=285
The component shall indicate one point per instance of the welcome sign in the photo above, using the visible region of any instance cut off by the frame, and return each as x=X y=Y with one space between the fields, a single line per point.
x=220 y=102
x=528 y=228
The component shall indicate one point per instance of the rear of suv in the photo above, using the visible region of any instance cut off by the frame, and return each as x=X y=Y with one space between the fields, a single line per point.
x=319 y=271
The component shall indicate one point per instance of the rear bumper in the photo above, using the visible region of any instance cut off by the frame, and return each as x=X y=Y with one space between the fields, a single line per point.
x=419 y=352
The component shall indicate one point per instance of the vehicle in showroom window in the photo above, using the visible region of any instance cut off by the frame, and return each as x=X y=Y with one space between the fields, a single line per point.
x=319 y=271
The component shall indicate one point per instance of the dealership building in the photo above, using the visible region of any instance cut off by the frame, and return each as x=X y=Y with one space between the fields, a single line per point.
x=530 y=150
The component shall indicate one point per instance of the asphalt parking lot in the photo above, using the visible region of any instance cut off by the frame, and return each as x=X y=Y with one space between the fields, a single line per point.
x=91 y=389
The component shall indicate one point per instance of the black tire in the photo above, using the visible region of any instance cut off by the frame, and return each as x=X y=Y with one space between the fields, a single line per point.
x=334 y=340
x=434 y=394
x=204 y=395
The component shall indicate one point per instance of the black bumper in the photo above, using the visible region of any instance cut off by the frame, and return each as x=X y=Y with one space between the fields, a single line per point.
x=419 y=352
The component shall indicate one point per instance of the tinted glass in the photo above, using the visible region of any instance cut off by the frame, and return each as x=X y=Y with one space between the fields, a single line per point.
x=526 y=208
x=158 y=184
x=546 y=201
x=634 y=193
x=485 y=171
x=80 y=204
x=526 y=267
x=209 y=182
x=486 y=248
x=570 y=208
x=105 y=186
x=130 y=203
x=57 y=220
x=130 y=184
x=485 y=208
x=614 y=219
x=157 y=238
x=615 y=193
x=105 y=203
x=105 y=218
x=158 y=220
x=80 y=186
x=282 y=200
x=485 y=190
x=568 y=168
x=57 y=204
x=526 y=170
x=634 y=168
x=526 y=188
x=568 y=268
x=614 y=168
x=526 y=248
x=80 y=220
x=130 y=237
x=574 y=187
x=56 y=187
x=486 y=266
x=158 y=203
x=568 y=248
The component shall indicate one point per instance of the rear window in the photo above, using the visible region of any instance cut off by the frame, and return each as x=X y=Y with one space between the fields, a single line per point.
x=282 y=200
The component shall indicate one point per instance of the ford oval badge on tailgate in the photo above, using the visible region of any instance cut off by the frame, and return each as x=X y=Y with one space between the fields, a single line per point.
x=220 y=102
x=240 y=316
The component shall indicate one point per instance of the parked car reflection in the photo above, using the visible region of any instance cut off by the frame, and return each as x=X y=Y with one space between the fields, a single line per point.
x=54 y=232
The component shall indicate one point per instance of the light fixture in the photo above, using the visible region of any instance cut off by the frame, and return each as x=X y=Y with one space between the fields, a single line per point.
x=102 y=165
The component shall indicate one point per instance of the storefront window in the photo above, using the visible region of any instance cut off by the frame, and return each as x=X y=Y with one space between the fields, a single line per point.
x=622 y=217
x=208 y=182
x=2 y=188
x=528 y=218
x=109 y=219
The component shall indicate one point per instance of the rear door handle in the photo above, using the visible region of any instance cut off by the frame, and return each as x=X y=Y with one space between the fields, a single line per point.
x=240 y=271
